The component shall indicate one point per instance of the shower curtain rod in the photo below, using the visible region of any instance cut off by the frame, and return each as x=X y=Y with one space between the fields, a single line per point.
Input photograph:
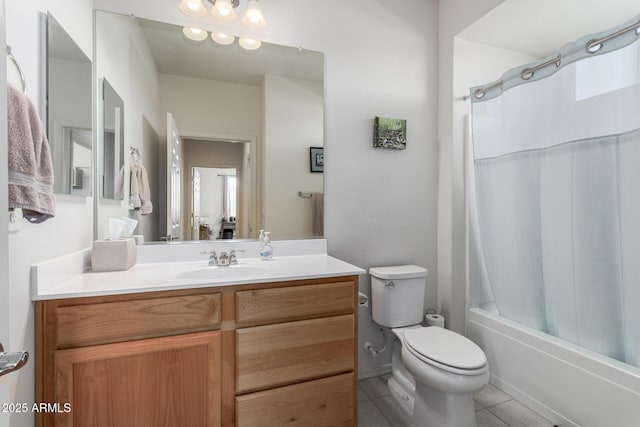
x=592 y=46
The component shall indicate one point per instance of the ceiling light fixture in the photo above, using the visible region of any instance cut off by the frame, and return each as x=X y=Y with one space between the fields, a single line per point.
x=193 y=8
x=249 y=44
x=222 y=38
x=224 y=11
x=253 y=18
x=194 y=33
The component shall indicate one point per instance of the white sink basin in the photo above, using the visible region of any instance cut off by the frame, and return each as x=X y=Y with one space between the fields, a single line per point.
x=215 y=272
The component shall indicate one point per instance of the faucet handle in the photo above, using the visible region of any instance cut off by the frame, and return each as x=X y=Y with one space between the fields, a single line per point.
x=233 y=256
x=213 y=257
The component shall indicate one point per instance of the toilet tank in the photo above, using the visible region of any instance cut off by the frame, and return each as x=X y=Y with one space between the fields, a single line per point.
x=397 y=295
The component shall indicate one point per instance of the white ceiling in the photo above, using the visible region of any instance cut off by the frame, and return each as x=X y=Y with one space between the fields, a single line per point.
x=175 y=54
x=541 y=27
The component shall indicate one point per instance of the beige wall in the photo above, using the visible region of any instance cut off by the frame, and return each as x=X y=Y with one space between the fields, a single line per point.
x=293 y=110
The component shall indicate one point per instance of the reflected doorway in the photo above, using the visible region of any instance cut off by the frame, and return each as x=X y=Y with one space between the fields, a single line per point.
x=214 y=203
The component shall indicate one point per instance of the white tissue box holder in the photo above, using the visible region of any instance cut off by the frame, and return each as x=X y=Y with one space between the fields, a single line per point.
x=113 y=255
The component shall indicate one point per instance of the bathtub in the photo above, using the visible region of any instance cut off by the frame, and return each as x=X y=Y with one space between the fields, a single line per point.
x=567 y=384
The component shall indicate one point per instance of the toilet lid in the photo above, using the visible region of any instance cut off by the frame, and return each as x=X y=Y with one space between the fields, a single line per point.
x=445 y=347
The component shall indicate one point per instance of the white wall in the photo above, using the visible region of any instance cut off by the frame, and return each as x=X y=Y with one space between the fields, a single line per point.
x=454 y=16
x=133 y=75
x=293 y=112
x=71 y=229
x=380 y=60
x=5 y=317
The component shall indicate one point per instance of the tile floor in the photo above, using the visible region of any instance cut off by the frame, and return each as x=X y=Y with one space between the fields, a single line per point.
x=494 y=408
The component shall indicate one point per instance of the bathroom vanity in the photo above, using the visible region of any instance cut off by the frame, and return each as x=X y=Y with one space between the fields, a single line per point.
x=266 y=352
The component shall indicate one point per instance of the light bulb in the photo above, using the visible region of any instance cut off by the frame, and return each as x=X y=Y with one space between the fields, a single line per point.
x=250 y=44
x=223 y=11
x=194 y=33
x=222 y=38
x=193 y=8
x=253 y=18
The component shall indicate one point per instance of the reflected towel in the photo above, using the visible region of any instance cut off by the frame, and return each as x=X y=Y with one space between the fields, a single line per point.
x=30 y=166
x=317 y=214
x=140 y=194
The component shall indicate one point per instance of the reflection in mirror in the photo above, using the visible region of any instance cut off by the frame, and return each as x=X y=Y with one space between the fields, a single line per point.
x=112 y=143
x=215 y=202
x=256 y=112
x=68 y=110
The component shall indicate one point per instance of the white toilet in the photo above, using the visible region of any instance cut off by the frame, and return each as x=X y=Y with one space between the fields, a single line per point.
x=435 y=370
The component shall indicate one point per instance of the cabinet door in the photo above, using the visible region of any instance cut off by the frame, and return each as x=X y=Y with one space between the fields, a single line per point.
x=169 y=381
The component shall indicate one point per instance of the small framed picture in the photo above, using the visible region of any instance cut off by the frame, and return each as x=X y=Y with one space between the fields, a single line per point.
x=390 y=133
x=316 y=158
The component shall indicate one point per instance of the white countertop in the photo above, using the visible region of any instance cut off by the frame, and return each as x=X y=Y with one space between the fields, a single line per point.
x=55 y=280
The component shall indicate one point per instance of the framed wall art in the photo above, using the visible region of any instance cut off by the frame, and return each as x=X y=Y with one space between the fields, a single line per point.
x=316 y=159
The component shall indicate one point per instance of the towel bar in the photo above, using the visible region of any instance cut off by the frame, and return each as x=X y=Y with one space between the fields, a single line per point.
x=22 y=78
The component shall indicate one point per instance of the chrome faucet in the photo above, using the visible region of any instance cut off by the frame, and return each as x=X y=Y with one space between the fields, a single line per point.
x=224 y=259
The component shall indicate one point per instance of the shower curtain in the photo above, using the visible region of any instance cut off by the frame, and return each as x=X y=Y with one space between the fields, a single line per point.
x=557 y=173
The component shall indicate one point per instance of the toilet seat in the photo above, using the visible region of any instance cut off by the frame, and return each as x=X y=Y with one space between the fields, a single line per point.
x=446 y=350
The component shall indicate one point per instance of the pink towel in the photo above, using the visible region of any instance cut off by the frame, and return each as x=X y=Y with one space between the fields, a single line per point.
x=30 y=167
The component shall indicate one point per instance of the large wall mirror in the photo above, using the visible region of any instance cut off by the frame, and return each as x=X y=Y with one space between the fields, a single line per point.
x=67 y=77
x=222 y=133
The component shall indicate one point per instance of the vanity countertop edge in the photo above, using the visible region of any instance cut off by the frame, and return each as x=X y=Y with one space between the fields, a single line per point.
x=71 y=277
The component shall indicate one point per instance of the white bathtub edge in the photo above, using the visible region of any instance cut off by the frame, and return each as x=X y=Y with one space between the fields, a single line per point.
x=531 y=403
x=558 y=380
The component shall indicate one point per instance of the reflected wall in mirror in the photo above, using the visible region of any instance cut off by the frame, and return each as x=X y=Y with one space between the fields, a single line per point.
x=68 y=110
x=256 y=112
x=214 y=201
x=112 y=147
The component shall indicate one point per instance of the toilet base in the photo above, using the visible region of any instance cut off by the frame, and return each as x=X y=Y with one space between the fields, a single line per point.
x=428 y=406
x=434 y=408
x=404 y=399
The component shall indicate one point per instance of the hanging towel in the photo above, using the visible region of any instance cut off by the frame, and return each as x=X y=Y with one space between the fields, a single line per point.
x=139 y=194
x=317 y=214
x=145 y=193
x=30 y=166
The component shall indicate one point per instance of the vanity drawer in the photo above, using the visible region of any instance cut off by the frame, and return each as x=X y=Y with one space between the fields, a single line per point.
x=294 y=302
x=326 y=402
x=275 y=355
x=108 y=322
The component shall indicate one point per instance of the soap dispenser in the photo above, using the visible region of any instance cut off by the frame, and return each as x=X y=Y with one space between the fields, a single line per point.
x=266 y=250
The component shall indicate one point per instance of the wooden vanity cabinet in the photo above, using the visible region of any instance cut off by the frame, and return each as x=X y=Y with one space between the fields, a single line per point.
x=148 y=359
x=250 y=355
